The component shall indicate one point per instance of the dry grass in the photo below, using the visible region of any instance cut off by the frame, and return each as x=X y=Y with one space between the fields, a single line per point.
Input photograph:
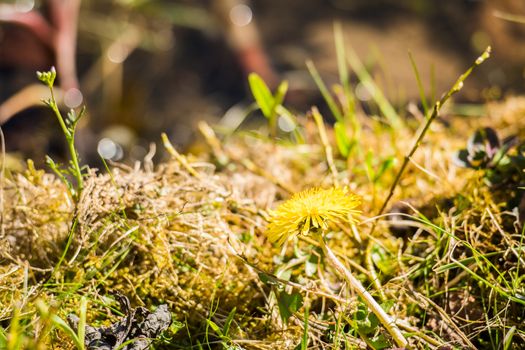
x=162 y=235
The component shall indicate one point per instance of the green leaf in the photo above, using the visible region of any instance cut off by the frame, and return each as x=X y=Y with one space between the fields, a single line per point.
x=59 y=323
x=50 y=162
x=268 y=279
x=262 y=94
x=374 y=322
x=365 y=321
x=228 y=322
x=383 y=260
x=361 y=312
x=304 y=340
x=291 y=119
x=288 y=304
x=388 y=305
x=284 y=274
x=379 y=342
x=64 y=327
x=82 y=322
x=176 y=326
x=3 y=339
x=282 y=89
x=341 y=137
x=214 y=326
x=370 y=172
x=385 y=165
x=311 y=264
x=71 y=116
x=310 y=268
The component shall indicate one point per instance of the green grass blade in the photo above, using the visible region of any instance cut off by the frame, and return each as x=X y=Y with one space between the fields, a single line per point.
x=262 y=94
x=70 y=238
x=82 y=322
x=342 y=68
x=214 y=326
x=386 y=108
x=14 y=338
x=420 y=87
x=64 y=327
x=324 y=91
x=3 y=338
x=342 y=140
x=458 y=85
x=229 y=320
x=464 y=262
x=518 y=266
x=433 y=83
x=507 y=341
x=59 y=323
x=290 y=118
x=278 y=99
x=304 y=340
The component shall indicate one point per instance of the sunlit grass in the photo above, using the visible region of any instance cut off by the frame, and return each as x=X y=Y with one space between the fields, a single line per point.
x=193 y=233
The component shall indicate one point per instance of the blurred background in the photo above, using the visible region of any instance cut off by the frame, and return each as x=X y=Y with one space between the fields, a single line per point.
x=143 y=67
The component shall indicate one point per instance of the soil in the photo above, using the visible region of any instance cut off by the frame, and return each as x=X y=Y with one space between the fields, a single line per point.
x=199 y=77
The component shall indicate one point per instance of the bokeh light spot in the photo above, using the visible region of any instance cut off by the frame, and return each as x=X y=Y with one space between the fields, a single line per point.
x=108 y=149
x=24 y=5
x=241 y=15
x=73 y=98
x=362 y=93
x=285 y=124
x=117 y=53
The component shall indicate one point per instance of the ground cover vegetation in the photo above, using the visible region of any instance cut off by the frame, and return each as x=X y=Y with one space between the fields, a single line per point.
x=386 y=230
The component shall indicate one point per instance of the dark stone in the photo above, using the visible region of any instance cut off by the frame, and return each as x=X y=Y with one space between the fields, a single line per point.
x=140 y=326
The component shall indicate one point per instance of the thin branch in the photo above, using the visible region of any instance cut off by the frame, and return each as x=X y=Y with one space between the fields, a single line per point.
x=435 y=112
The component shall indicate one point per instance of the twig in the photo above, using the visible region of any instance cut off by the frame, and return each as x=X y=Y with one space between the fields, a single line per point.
x=435 y=112
x=511 y=17
x=425 y=302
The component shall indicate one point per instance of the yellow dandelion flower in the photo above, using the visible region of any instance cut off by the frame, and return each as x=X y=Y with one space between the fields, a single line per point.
x=315 y=208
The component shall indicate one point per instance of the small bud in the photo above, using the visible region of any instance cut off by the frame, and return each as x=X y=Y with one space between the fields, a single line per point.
x=47 y=78
x=50 y=161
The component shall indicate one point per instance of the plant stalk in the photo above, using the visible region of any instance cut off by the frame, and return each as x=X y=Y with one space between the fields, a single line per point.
x=70 y=139
x=372 y=304
x=76 y=166
x=435 y=112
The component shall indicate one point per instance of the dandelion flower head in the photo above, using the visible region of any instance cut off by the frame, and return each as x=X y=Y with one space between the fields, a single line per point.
x=314 y=208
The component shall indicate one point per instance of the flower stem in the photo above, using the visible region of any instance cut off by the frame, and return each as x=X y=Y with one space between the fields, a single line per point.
x=435 y=112
x=70 y=139
x=372 y=304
